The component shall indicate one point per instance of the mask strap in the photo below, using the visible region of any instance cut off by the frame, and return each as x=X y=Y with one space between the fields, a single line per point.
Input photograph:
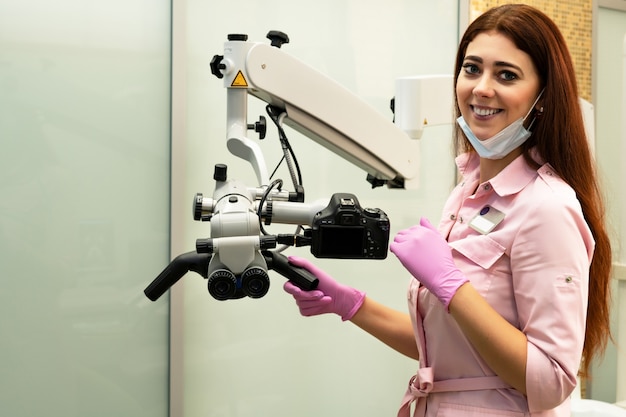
x=532 y=107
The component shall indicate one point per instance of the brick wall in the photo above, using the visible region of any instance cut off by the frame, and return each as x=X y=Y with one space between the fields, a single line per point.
x=574 y=18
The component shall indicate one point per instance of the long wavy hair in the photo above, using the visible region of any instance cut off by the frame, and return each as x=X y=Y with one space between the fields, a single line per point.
x=559 y=137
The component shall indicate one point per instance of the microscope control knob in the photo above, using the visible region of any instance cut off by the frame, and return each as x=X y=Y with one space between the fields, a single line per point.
x=217 y=66
x=219 y=172
x=277 y=37
x=197 y=207
x=238 y=37
x=260 y=127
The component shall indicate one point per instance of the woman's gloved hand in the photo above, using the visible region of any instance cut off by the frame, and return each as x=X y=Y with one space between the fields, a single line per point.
x=426 y=255
x=329 y=297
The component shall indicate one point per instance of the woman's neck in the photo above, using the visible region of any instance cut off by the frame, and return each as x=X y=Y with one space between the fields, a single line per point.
x=489 y=168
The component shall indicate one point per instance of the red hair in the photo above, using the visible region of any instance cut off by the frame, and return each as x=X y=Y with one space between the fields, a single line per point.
x=559 y=137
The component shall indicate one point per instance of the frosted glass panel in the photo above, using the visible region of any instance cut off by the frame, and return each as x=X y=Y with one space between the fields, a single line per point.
x=84 y=197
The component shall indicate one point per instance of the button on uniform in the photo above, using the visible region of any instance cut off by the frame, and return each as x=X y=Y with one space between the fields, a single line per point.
x=453 y=217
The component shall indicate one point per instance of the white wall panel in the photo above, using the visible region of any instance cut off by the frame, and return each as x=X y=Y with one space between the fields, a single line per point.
x=610 y=153
x=260 y=357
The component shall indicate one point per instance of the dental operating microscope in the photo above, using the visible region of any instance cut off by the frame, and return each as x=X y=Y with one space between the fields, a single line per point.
x=235 y=259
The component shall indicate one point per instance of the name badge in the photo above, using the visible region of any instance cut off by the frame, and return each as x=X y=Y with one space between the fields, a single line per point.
x=486 y=220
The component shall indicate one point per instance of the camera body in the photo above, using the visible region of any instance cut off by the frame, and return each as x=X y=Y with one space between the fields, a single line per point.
x=344 y=230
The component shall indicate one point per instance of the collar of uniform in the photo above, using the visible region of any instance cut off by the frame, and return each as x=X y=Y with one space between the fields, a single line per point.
x=467 y=164
x=513 y=177
x=510 y=180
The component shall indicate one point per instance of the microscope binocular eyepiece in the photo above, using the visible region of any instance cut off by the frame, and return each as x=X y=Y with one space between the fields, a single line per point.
x=223 y=284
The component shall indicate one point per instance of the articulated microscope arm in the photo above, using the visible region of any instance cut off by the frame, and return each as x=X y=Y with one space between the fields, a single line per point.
x=236 y=257
x=327 y=112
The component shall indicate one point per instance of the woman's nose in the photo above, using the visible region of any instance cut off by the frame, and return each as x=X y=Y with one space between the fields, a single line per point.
x=483 y=87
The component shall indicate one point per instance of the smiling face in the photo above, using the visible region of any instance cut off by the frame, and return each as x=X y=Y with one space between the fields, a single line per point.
x=497 y=84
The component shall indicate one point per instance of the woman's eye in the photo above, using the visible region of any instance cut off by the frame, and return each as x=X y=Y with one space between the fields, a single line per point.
x=471 y=68
x=508 y=76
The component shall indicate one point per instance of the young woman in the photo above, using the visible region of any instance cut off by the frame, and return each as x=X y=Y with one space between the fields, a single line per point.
x=511 y=291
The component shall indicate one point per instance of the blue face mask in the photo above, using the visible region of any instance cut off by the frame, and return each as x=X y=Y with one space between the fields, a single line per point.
x=503 y=142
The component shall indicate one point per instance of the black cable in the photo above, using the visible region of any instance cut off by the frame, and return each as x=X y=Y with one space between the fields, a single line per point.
x=277 y=166
x=277 y=182
x=274 y=114
x=290 y=157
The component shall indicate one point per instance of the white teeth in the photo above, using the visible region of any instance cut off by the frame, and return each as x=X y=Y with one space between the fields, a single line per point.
x=485 y=112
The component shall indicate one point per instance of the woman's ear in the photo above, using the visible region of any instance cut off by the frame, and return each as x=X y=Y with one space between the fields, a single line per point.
x=539 y=103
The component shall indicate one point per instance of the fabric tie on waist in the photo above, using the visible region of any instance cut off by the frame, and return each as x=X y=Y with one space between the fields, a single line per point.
x=422 y=384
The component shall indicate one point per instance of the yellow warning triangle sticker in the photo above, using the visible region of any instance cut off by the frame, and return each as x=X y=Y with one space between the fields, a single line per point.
x=239 y=81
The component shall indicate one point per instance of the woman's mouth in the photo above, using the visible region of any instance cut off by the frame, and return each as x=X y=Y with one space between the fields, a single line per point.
x=484 y=111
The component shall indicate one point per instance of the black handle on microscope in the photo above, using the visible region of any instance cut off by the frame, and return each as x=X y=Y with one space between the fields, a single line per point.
x=299 y=276
x=190 y=261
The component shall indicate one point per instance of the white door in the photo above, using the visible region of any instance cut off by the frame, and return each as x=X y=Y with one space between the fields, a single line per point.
x=611 y=153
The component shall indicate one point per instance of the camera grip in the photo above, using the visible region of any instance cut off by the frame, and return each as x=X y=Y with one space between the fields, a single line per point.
x=299 y=276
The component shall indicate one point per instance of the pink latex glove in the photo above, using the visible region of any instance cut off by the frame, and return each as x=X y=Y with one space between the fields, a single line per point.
x=426 y=255
x=329 y=297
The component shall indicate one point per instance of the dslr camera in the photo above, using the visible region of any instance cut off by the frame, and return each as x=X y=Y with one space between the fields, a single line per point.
x=345 y=230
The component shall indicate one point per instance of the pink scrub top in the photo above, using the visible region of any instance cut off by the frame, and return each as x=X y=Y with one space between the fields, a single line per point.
x=532 y=267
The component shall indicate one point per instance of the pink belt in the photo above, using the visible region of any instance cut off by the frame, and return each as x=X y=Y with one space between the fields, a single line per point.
x=422 y=384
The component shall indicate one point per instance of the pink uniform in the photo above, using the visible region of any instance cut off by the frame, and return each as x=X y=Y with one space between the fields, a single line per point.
x=532 y=267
